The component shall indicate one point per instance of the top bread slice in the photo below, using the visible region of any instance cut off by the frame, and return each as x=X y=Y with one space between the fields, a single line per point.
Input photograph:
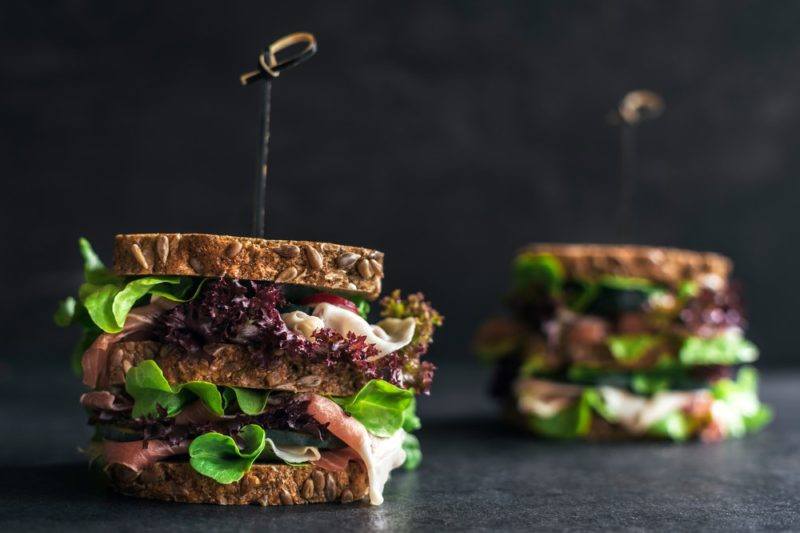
x=669 y=266
x=317 y=264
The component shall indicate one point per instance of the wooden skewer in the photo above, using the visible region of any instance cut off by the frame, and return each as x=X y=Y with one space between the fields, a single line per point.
x=270 y=67
x=634 y=108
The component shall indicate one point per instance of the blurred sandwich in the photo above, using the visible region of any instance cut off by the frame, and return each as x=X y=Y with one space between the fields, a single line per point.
x=608 y=342
x=235 y=370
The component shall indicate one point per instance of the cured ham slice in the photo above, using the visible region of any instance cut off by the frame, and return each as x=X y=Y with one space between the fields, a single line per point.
x=336 y=460
x=136 y=456
x=95 y=360
x=105 y=401
x=380 y=455
x=196 y=413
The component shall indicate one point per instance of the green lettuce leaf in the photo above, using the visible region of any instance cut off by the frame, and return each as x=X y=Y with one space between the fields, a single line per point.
x=413 y=452
x=109 y=305
x=361 y=304
x=150 y=390
x=538 y=271
x=741 y=409
x=687 y=289
x=94 y=271
x=250 y=401
x=676 y=426
x=104 y=300
x=595 y=401
x=380 y=406
x=726 y=349
x=88 y=336
x=622 y=283
x=219 y=457
x=630 y=348
x=65 y=312
x=411 y=421
x=571 y=422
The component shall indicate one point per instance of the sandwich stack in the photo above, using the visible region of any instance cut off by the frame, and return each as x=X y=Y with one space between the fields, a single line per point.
x=607 y=342
x=234 y=370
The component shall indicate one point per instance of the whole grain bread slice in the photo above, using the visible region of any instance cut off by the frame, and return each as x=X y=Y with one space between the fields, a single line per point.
x=263 y=484
x=317 y=264
x=234 y=366
x=669 y=266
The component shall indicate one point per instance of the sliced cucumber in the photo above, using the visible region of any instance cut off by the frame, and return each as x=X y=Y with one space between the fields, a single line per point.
x=294 y=438
x=117 y=433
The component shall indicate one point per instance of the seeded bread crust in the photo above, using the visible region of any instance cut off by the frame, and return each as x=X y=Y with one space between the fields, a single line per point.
x=317 y=264
x=670 y=266
x=264 y=484
x=234 y=366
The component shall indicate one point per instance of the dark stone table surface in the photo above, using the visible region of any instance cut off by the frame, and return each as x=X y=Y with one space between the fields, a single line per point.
x=476 y=474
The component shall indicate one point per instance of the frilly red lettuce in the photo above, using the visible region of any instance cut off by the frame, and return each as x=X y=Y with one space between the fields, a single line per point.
x=247 y=313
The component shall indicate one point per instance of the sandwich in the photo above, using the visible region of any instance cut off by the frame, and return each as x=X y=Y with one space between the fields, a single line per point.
x=233 y=370
x=624 y=342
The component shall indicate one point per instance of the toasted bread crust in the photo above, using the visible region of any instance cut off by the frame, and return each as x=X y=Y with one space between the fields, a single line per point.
x=670 y=266
x=323 y=265
x=264 y=484
x=234 y=366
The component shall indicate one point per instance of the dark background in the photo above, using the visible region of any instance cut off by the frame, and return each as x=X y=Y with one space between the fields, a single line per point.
x=444 y=133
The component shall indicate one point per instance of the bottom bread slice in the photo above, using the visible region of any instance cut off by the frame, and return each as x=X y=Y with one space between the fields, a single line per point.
x=264 y=484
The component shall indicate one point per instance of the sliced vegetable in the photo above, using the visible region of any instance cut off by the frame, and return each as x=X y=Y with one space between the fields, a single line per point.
x=325 y=297
x=285 y=438
x=622 y=283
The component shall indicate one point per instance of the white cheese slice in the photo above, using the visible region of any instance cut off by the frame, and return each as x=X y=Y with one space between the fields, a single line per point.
x=294 y=454
x=388 y=335
x=381 y=456
x=638 y=413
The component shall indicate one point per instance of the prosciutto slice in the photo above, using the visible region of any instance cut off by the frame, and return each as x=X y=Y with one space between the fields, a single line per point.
x=196 y=413
x=380 y=455
x=336 y=460
x=104 y=400
x=95 y=359
x=136 y=456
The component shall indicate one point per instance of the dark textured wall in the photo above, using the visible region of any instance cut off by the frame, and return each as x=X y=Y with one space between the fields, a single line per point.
x=445 y=133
